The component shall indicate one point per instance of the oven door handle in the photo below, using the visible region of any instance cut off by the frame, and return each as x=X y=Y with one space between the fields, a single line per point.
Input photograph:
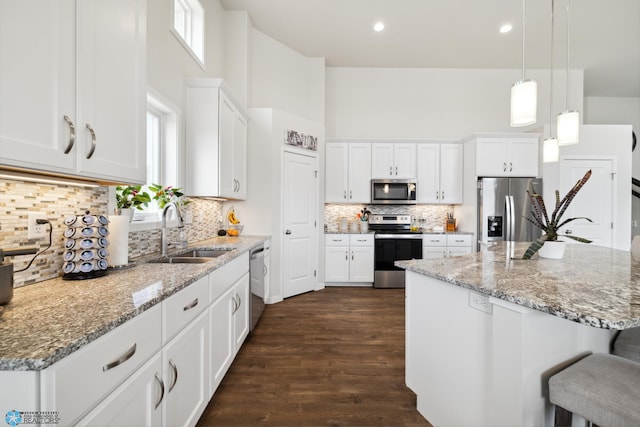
x=397 y=236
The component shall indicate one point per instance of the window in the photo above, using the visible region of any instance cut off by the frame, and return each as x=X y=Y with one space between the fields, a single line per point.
x=163 y=155
x=188 y=26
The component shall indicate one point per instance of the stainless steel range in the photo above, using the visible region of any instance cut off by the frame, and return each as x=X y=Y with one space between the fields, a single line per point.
x=394 y=241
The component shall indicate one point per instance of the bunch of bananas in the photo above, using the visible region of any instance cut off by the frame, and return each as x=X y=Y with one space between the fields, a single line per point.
x=231 y=216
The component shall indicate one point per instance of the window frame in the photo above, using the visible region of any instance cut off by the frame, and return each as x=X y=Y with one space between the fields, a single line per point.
x=194 y=27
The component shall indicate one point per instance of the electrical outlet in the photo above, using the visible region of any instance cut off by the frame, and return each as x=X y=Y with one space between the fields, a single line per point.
x=480 y=302
x=36 y=231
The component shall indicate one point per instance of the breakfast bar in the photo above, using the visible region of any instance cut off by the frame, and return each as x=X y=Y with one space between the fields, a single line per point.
x=484 y=332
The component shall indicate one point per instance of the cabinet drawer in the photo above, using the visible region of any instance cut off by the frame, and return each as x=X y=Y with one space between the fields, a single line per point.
x=181 y=308
x=78 y=382
x=221 y=279
x=434 y=240
x=458 y=240
x=361 y=240
x=336 y=240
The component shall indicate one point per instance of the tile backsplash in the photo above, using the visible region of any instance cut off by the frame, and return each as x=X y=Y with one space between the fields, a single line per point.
x=17 y=198
x=433 y=214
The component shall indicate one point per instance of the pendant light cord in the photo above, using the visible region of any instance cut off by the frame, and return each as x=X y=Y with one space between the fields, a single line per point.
x=551 y=78
x=523 y=33
x=567 y=100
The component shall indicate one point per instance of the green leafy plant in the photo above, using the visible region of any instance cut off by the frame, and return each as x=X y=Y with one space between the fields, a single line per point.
x=552 y=224
x=167 y=194
x=131 y=196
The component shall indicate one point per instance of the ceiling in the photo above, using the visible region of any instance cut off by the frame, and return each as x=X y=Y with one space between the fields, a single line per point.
x=604 y=35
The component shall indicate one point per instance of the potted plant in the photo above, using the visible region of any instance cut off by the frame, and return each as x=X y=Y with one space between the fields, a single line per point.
x=167 y=194
x=130 y=197
x=552 y=224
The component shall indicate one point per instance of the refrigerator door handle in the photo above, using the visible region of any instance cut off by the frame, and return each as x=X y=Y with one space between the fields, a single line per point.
x=513 y=219
x=507 y=214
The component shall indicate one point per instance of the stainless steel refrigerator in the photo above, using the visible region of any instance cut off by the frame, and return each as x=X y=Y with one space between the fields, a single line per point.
x=503 y=206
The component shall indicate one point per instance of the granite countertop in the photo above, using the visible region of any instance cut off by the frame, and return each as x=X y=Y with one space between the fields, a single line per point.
x=410 y=232
x=592 y=285
x=49 y=320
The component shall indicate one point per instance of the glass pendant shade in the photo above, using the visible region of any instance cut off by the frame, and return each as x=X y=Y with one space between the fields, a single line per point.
x=524 y=103
x=568 y=129
x=550 y=150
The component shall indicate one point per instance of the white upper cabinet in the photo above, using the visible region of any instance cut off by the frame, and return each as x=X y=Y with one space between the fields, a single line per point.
x=216 y=143
x=73 y=84
x=439 y=173
x=348 y=172
x=507 y=156
x=393 y=160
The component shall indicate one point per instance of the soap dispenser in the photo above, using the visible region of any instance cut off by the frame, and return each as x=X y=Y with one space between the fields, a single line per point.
x=6 y=272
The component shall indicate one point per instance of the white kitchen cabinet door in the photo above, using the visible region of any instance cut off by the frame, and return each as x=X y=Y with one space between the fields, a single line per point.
x=137 y=402
x=74 y=87
x=491 y=157
x=37 y=83
x=523 y=157
x=405 y=161
x=240 y=157
x=186 y=370
x=111 y=81
x=227 y=117
x=336 y=172
x=458 y=251
x=222 y=337
x=393 y=160
x=451 y=173
x=382 y=161
x=428 y=173
x=361 y=266
x=336 y=264
x=434 y=252
x=359 y=172
x=242 y=313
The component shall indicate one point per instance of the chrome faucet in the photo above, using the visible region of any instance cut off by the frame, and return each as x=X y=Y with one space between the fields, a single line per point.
x=164 y=244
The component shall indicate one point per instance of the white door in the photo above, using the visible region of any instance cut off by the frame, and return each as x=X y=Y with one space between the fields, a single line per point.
x=299 y=223
x=600 y=188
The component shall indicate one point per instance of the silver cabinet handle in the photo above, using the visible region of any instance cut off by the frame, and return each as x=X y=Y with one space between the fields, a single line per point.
x=510 y=167
x=265 y=270
x=390 y=170
x=235 y=305
x=175 y=374
x=568 y=232
x=352 y=256
x=93 y=141
x=396 y=170
x=159 y=380
x=504 y=167
x=442 y=195
x=287 y=232
x=350 y=194
x=239 y=301
x=119 y=361
x=72 y=134
x=345 y=195
x=346 y=255
x=437 y=195
x=190 y=305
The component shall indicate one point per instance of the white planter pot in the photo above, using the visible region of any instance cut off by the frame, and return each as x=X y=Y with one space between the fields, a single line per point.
x=128 y=212
x=552 y=250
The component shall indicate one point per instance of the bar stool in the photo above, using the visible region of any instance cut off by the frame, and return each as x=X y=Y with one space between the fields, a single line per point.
x=627 y=344
x=601 y=388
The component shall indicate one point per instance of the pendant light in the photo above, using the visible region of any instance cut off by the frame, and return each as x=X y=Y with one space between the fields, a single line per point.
x=550 y=150
x=524 y=93
x=568 y=128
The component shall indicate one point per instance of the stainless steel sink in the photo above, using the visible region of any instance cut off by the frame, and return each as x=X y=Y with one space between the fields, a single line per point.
x=196 y=256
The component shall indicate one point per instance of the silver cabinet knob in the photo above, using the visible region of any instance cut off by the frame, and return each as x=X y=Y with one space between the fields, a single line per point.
x=287 y=232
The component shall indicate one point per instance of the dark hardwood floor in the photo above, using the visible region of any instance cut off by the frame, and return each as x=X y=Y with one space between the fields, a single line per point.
x=329 y=358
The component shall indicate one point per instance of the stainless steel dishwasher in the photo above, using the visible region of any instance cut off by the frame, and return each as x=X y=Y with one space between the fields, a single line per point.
x=256 y=271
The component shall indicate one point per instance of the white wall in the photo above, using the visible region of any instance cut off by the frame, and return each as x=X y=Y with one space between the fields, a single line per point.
x=281 y=78
x=437 y=103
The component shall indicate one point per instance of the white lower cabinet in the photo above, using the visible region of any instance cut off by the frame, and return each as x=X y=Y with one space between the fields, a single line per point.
x=186 y=372
x=137 y=402
x=435 y=246
x=228 y=316
x=349 y=258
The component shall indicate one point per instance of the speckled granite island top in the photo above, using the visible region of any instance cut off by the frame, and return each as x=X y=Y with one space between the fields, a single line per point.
x=592 y=285
x=47 y=321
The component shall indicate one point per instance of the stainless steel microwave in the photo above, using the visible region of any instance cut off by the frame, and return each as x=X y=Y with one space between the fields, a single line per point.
x=393 y=192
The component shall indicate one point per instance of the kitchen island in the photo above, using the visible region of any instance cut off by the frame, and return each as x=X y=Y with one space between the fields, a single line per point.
x=485 y=331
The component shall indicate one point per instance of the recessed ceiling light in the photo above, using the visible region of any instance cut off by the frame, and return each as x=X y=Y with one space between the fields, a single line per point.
x=378 y=26
x=506 y=28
